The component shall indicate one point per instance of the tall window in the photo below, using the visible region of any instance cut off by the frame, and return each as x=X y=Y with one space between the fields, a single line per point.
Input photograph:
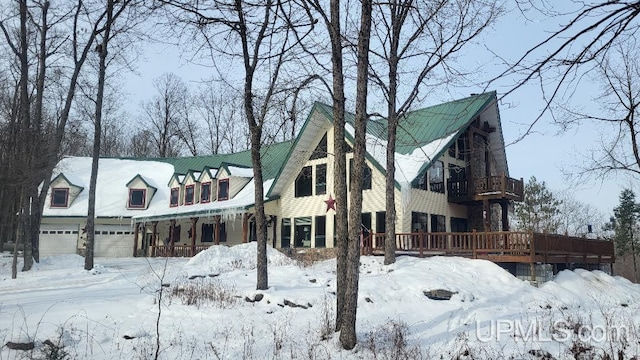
x=366 y=175
x=285 y=233
x=60 y=197
x=321 y=230
x=436 y=177
x=321 y=179
x=320 y=150
x=381 y=222
x=205 y=192
x=438 y=223
x=304 y=182
x=175 y=196
x=137 y=198
x=223 y=189
x=189 y=194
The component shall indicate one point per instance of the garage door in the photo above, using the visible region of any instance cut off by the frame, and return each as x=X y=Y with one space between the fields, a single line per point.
x=58 y=239
x=114 y=241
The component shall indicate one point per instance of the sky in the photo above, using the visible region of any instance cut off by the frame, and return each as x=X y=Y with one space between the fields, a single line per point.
x=111 y=311
x=547 y=153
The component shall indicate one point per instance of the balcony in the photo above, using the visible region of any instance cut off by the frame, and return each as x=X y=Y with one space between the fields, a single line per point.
x=486 y=188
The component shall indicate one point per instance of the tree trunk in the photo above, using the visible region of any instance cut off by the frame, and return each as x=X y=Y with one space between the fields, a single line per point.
x=340 y=163
x=348 y=338
x=91 y=213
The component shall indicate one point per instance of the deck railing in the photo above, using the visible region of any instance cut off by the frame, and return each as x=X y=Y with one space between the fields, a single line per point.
x=177 y=250
x=497 y=186
x=498 y=246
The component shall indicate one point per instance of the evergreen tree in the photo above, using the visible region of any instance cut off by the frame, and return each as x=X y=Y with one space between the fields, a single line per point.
x=539 y=210
x=624 y=225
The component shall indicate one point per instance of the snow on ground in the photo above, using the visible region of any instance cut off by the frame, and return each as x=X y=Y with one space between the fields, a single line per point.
x=111 y=312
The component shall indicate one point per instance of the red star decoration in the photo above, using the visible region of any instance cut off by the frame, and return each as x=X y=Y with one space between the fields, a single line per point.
x=331 y=203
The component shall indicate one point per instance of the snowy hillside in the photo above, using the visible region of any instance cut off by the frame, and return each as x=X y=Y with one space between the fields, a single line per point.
x=210 y=309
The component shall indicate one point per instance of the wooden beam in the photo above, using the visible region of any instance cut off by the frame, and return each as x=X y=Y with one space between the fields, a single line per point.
x=135 y=239
x=245 y=227
x=194 y=222
x=172 y=240
x=154 y=237
x=217 y=241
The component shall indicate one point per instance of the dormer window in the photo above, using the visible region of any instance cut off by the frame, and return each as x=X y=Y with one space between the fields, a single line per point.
x=223 y=189
x=60 y=197
x=175 y=195
x=137 y=198
x=189 y=194
x=205 y=192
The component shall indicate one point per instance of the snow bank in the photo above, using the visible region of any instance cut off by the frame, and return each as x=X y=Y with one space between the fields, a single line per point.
x=221 y=258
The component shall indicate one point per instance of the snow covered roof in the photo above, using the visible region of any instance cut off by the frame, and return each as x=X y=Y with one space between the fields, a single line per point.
x=111 y=188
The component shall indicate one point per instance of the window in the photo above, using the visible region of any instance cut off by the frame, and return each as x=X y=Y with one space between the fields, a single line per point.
x=223 y=189
x=320 y=150
x=366 y=175
x=462 y=146
x=381 y=222
x=303 y=186
x=302 y=232
x=321 y=230
x=205 y=192
x=137 y=198
x=436 y=177
x=189 y=194
x=438 y=223
x=285 y=233
x=60 y=197
x=175 y=196
x=419 y=221
x=321 y=179
x=459 y=225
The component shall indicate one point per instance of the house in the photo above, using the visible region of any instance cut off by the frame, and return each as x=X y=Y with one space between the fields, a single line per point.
x=452 y=183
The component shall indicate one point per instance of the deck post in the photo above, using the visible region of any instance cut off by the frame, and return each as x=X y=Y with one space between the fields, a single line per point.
x=135 y=239
x=217 y=241
x=421 y=242
x=532 y=249
x=194 y=221
x=474 y=244
x=274 y=225
x=245 y=227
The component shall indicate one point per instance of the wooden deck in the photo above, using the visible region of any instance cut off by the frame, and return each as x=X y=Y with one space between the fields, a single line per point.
x=486 y=188
x=508 y=247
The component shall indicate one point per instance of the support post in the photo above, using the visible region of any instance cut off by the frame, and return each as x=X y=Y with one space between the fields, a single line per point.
x=532 y=248
x=421 y=242
x=172 y=238
x=474 y=244
x=217 y=241
x=486 y=210
x=245 y=227
x=154 y=237
x=194 y=222
x=274 y=227
x=135 y=239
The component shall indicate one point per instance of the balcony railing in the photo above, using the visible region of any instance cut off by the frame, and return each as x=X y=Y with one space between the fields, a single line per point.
x=491 y=187
x=503 y=246
x=177 y=250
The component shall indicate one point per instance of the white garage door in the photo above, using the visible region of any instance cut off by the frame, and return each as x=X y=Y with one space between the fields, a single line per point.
x=114 y=241
x=58 y=239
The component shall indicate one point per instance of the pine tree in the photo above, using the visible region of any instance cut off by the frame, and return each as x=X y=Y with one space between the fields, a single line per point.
x=539 y=210
x=624 y=224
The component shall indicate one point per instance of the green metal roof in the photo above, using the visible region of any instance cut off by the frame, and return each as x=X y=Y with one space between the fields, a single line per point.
x=273 y=157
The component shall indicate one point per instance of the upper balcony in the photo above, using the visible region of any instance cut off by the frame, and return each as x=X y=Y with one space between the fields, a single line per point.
x=486 y=188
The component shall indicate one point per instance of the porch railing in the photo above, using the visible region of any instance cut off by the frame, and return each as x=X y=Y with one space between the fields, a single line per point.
x=177 y=250
x=498 y=246
x=494 y=186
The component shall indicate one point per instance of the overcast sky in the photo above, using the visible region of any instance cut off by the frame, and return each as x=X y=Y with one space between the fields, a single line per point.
x=546 y=153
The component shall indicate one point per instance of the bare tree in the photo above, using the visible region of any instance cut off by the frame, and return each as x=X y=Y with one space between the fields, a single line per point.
x=416 y=43
x=260 y=34
x=559 y=61
x=165 y=112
